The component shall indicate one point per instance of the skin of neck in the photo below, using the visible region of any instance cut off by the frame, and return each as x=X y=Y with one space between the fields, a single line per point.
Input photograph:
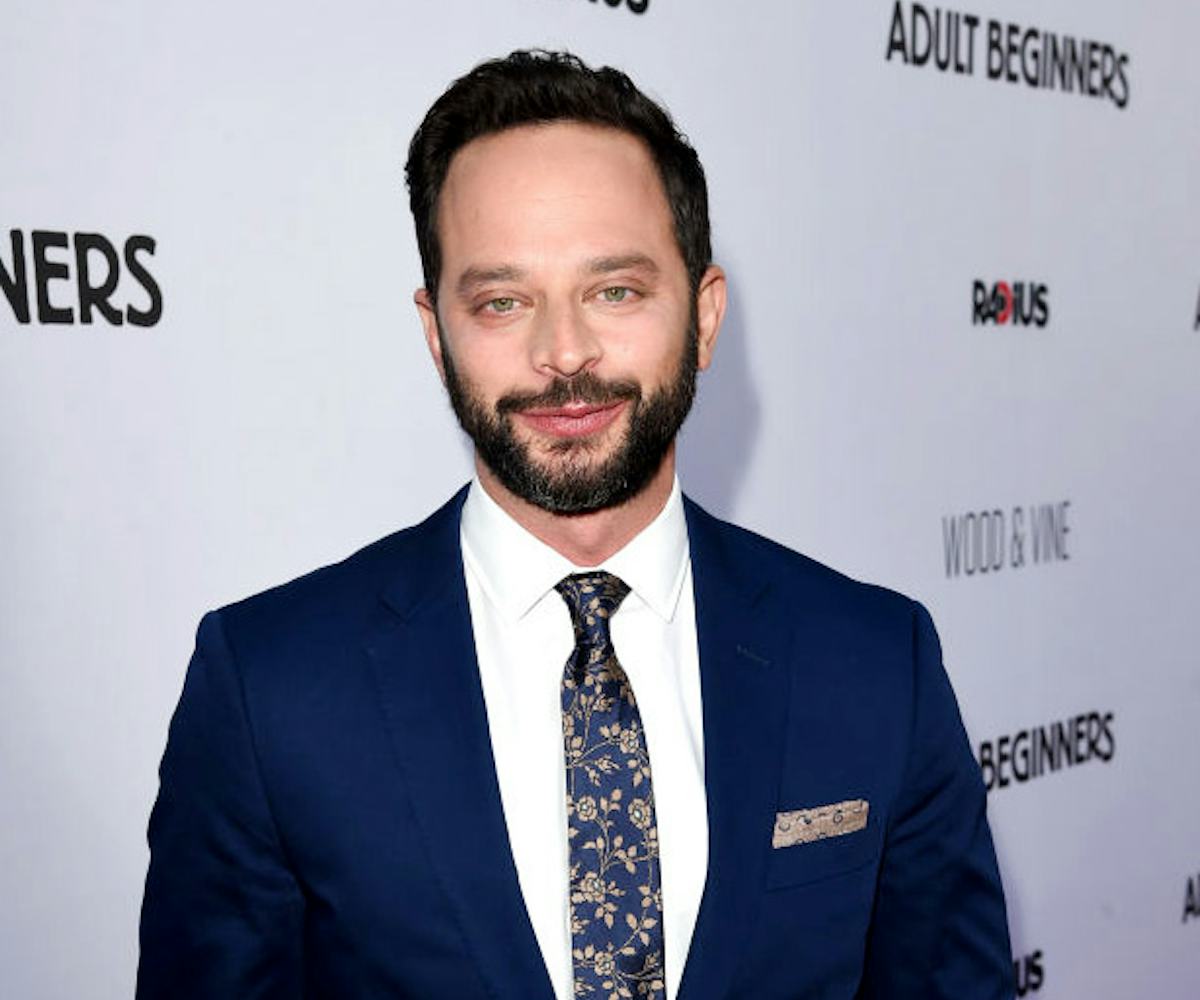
x=586 y=539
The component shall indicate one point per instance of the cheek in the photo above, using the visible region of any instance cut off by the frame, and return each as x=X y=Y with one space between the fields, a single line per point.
x=650 y=347
x=486 y=361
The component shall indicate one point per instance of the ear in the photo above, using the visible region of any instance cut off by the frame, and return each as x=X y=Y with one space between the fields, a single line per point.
x=710 y=310
x=429 y=323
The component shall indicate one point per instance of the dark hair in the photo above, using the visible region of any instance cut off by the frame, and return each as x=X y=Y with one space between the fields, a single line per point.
x=535 y=86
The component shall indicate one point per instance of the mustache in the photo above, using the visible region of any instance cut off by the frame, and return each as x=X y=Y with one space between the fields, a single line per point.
x=585 y=388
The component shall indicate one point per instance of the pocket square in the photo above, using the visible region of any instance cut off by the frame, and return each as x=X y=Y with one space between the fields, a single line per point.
x=803 y=826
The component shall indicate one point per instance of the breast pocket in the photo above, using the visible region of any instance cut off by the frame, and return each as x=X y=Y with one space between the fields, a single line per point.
x=802 y=863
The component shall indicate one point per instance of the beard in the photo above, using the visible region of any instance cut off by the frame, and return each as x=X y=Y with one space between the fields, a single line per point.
x=571 y=482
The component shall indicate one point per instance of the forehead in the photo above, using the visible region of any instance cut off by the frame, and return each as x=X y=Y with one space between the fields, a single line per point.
x=539 y=193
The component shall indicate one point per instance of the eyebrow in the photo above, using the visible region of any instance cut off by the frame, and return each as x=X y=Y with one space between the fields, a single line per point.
x=474 y=277
x=621 y=262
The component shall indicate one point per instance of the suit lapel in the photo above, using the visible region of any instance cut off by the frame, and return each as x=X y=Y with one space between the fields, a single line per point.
x=744 y=690
x=423 y=656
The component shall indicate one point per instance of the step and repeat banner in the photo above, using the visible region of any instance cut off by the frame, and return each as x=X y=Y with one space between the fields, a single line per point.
x=962 y=360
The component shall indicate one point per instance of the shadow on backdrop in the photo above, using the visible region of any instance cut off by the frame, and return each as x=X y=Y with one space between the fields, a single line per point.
x=1013 y=902
x=717 y=442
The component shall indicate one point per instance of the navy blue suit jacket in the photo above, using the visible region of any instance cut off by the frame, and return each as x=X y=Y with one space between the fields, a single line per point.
x=329 y=822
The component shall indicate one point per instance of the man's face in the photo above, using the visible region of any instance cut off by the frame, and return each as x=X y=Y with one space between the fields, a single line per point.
x=565 y=329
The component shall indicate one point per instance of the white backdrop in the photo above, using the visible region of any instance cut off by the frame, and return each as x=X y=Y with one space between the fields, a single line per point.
x=282 y=411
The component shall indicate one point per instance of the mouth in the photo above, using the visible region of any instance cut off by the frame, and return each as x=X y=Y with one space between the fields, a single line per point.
x=577 y=419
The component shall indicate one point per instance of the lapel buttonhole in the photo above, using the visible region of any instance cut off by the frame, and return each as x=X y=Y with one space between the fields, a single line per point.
x=749 y=654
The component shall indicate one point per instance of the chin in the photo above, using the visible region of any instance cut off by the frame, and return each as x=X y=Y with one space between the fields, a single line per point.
x=593 y=450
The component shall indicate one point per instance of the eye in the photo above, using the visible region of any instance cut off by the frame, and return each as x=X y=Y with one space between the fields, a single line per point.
x=615 y=294
x=503 y=304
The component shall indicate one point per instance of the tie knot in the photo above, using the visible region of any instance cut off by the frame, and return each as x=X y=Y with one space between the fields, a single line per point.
x=592 y=598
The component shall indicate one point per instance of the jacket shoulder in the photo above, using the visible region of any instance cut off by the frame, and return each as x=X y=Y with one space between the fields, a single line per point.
x=340 y=599
x=820 y=587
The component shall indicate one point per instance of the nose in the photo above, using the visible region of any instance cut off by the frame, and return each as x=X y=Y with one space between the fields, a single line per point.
x=564 y=344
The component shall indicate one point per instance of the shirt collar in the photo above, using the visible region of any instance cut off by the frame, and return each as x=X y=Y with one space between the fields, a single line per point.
x=516 y=569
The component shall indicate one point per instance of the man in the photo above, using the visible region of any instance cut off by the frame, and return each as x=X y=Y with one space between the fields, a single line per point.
x=570 y=736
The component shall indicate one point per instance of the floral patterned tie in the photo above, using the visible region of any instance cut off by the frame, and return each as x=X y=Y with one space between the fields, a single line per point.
x=615 y=891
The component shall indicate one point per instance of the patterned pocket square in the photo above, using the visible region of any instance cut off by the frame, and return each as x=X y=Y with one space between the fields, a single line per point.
x=803 y=826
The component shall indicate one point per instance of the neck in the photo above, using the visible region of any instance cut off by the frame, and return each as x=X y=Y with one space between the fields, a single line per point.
x=586 y=539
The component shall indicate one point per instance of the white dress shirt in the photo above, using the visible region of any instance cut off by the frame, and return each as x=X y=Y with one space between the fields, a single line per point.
x=523 y=637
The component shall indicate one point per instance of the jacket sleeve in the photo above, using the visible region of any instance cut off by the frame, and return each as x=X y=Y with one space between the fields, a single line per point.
x=939 y=931
x=222 y=915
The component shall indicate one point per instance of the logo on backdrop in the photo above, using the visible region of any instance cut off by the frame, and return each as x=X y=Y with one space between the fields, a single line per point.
x=75 y=277
x=1028 y=973
x=635 y=6
x=1034 y=753
x=1191 y=899
x=947 y=39
x=980 y=542
x=1020 y=303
